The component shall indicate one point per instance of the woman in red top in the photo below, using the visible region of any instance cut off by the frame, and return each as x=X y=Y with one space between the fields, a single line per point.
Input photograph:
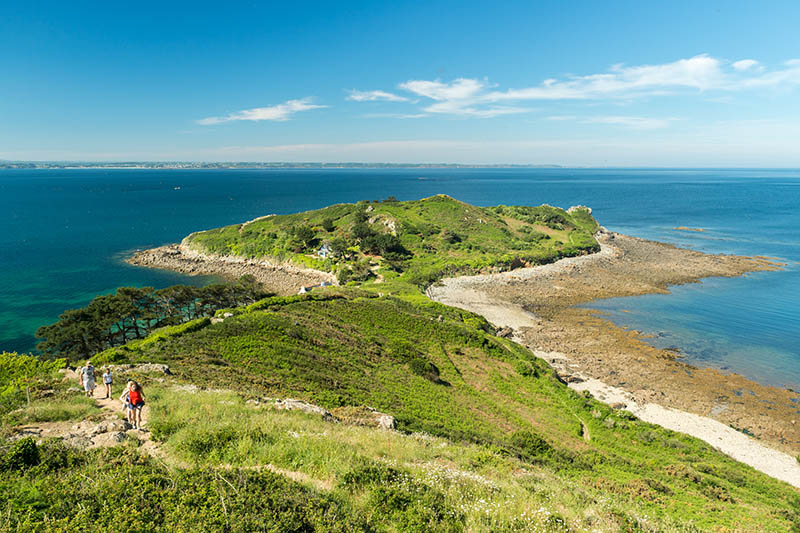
x=136 y=395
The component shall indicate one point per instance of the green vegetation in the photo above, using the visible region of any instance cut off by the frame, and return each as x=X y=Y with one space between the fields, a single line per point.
x=417 y=242
x=133 y=313
x=497 y=409
x=55 y=488
x=21 y=376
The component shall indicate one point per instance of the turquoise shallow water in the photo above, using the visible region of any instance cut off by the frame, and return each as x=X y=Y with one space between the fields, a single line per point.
x=63 y=234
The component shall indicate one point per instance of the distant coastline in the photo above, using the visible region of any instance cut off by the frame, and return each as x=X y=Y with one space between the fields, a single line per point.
x=241 y=165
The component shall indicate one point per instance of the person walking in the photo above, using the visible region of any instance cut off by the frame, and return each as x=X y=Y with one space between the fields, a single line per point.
x=137 y=403
x=125 y=398
x=88 y=376
x=108 y=380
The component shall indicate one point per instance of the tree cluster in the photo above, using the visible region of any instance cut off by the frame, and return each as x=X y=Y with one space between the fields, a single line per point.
x=133 y=313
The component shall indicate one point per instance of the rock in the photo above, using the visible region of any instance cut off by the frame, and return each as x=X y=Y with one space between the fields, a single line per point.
x=298 y=405
x=191 y=389
x=24 y=433
x=227 y=315
x=111 y=438
x=74 y=389
x=386 y=422
x=215 y=320
x=77 y=441
x=618 y=405
x=505 y=332
x=145 y=367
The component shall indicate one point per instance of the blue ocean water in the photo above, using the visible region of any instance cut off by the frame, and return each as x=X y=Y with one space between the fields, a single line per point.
x=63 y=234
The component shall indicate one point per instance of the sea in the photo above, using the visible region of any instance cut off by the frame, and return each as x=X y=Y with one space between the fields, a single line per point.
x=65 y=232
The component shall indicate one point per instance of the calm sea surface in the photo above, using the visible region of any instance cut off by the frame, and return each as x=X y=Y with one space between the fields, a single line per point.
x=63 y=234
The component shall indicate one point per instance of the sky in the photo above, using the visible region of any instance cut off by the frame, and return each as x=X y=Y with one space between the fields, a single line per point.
x=574 y=83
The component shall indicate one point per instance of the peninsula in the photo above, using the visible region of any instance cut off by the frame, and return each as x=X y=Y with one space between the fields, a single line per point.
x=434 y=375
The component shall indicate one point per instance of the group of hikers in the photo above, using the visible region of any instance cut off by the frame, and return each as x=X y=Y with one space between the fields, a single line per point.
x=132 y=397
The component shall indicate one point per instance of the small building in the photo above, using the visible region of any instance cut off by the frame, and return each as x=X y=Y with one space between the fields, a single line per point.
x=324 y=251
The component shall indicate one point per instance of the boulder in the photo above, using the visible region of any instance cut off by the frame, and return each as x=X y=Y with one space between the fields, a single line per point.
x=77 y=441
x=111 y=438
x=505 y=332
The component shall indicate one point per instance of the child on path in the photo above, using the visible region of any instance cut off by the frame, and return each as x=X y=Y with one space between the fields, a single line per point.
x=108 y=380
x=125 y=398
x=137 y=403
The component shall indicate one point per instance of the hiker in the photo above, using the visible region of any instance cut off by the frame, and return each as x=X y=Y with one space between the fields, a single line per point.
x=108 y=380
x=125 y=398
x=87 y=377
x=137 y=403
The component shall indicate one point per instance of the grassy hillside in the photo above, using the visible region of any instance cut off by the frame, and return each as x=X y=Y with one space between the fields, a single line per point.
x=440 y=372
x=417 y=241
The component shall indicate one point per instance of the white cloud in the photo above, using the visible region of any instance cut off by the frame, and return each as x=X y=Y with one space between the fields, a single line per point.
x=703 y=73
x=278 y=113
x=372 y=96
x=744 y=64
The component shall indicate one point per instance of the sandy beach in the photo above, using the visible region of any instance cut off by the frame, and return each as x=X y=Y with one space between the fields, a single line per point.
x=616 y=366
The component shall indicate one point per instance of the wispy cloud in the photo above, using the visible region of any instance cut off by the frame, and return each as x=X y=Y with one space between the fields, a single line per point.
x=277 y=113
x=745 y=64
x=701 y=73
x=373 y=96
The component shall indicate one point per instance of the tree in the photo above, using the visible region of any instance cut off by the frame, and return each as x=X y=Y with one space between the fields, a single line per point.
x=327 y=224
x=303 y=237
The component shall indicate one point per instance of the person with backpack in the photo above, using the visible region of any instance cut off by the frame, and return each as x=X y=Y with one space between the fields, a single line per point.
x=88 y=376
x=136 y=398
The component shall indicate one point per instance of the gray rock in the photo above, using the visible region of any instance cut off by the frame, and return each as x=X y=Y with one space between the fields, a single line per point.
x=298 y=405
x=111 y=438
x=386 y=421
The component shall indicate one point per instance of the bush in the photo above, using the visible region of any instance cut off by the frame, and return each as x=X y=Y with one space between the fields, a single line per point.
x=530 y=446
x=425 y=369
x=23 y=453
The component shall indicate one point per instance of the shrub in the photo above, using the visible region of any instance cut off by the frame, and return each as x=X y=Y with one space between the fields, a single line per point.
x=529 y=445
x=425 y=369
x=23 y=453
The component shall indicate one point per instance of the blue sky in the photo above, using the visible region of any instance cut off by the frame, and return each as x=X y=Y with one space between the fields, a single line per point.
x=572 y=83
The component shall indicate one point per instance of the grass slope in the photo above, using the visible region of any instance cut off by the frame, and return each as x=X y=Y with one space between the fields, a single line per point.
x=434 y=236
x=440 y=371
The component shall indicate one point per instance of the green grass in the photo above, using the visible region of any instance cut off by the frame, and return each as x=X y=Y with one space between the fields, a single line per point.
x=62 y=407
x=56 y=489
x=490 y=397
x=442 y=236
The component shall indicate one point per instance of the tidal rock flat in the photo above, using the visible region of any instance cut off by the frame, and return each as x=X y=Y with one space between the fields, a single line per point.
x=539 y=303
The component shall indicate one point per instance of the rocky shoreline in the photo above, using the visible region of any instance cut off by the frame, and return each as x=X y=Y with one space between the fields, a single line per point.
x=283 y=278
x=617 y=366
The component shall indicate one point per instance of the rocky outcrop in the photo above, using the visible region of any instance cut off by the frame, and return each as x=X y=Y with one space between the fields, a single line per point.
x=298 y=405
x=145 y=368
x=284 y=278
